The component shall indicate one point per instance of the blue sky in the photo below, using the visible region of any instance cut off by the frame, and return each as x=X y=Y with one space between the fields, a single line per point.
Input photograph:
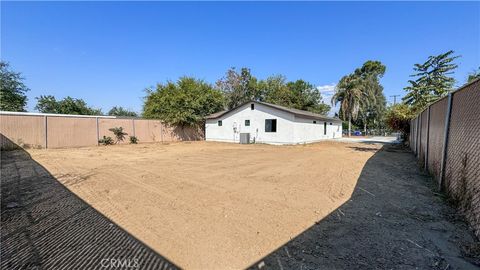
x=107 y=53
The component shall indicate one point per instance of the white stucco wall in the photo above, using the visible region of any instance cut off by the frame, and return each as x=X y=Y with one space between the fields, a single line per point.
x=306 y=131
x=257 y=117
x=290 y=129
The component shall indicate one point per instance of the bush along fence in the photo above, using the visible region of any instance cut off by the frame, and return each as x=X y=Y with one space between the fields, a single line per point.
x=445 y=138
x=35 y=130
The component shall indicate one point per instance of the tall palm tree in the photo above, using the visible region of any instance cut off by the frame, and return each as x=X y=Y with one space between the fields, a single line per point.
x=349 y=92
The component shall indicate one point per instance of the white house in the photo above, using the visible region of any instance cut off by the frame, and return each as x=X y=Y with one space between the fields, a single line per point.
x=269 y=123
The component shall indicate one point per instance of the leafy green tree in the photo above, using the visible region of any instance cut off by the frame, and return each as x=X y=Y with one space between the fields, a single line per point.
x=361 y=97
x=68 y=105
x=239 y=87
x=432 y=82
x=274 y=90
x=306 y=97
x=298 y=95
x=473 y=75
x=185 y=102
x=12 y=89
x=120 y=111
x=398 y=118
x=349 y=92
x=373 y=106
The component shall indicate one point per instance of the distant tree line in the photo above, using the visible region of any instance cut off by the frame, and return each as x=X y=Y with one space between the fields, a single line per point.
x=188 y=100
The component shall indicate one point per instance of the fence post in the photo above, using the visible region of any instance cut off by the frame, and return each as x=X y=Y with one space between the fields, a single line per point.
x=419 y=134
x=445 y=141
x=133 y=127
x=98 y=131
x=428 y=139
x=45 y=124
x=161 y=131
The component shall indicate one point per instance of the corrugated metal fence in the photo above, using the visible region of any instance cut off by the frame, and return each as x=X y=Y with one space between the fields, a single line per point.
x=445 y=137
x=31 y=130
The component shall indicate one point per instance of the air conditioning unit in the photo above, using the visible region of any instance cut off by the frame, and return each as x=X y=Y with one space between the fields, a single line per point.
x=244 y=138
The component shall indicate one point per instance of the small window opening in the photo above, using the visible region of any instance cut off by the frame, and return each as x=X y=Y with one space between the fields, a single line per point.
x=220 y=123
x=324 y=128
x=314 y=122
x=247 y=123
x=270 y=125
x=252 y=106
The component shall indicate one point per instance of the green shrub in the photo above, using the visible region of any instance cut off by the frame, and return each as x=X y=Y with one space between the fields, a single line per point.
x=106 y=140
x=119 y=134
x=133 y=140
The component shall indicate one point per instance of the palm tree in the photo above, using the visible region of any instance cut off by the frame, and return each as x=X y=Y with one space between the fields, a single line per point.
x=349 y=92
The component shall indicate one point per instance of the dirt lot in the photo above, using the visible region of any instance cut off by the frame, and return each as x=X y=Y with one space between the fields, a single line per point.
x=211 y=205
x=204 y=205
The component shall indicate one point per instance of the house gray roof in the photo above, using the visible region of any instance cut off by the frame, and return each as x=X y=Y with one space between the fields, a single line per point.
x=296 y=112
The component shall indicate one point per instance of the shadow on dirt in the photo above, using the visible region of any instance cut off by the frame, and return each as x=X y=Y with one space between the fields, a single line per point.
x=45 y=226
x=393 y=220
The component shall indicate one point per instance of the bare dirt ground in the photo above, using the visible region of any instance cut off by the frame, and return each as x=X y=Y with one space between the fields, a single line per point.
x=210 y=205
x=205 y=205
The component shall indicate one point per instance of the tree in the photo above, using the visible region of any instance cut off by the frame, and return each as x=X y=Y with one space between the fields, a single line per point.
x=432 y=80
x=185 y=102
x=12 y=89
x=473 y=75
x=306 y=97
x=373 y=106
x=349 y=93
x=274 y=90
x=398 y=118
x=361 y=97
x=238 y=87
x=243 y=87
x=120 y=111
x=68 y=105
x=298 y=95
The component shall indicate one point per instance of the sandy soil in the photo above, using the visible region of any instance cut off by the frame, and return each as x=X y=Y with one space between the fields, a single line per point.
x=207 y=205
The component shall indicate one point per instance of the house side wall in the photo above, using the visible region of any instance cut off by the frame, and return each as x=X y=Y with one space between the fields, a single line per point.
x=290 y=129
x=306 y=131
x=237 y=117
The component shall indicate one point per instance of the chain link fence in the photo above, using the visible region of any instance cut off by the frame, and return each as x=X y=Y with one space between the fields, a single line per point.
x=445 y=138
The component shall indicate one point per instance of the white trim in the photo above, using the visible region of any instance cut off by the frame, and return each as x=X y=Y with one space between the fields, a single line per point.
x=54 y=114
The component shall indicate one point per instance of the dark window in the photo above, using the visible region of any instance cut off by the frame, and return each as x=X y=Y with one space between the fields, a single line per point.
x=270 y=125
x=314 y=122
x=247 y=123
x=330 y=123
x=324 y=128
x=252 y=106
x=220 y=123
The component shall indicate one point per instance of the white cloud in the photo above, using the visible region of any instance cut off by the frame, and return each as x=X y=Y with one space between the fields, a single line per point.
x=327 y=92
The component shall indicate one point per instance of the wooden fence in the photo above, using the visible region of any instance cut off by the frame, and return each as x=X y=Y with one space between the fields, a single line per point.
x=33 y=130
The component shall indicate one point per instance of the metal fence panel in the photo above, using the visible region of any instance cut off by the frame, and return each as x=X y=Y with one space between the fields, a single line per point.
x=31 y=130
x=462 y=170
x=71 y=132
x=29 y=133
x=423 y=137
x=459 y=142
x=436 y=136
x=148 y=130
x=104 y=124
